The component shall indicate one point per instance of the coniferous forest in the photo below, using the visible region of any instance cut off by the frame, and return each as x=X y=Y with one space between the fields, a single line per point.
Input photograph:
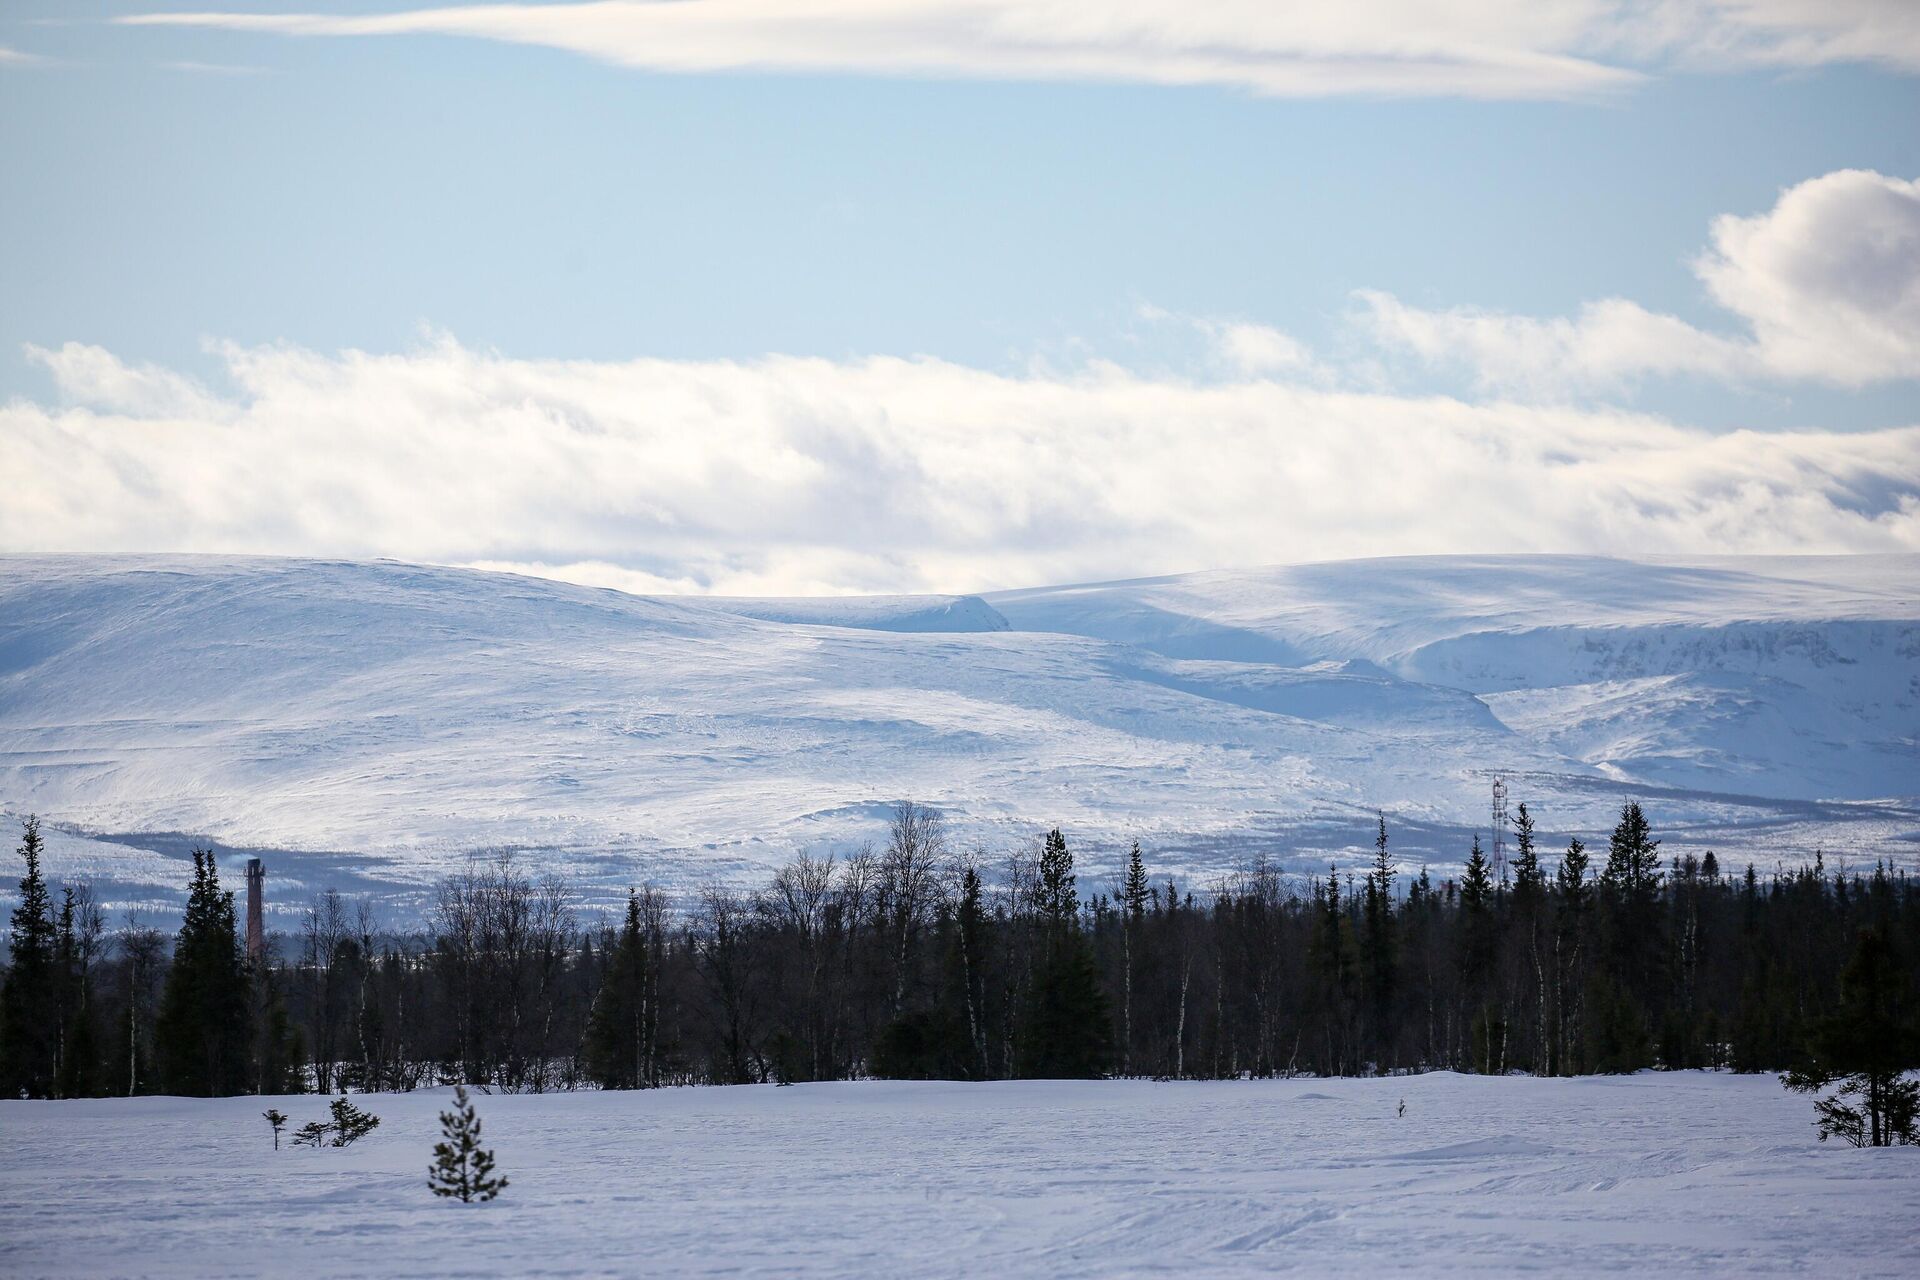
x=913 y=960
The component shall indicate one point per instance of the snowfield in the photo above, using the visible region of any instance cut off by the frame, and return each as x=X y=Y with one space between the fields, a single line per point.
x=1651 y=1175
x=373 y=724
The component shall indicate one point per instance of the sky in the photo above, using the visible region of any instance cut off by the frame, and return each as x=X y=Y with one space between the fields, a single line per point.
x=798 y=296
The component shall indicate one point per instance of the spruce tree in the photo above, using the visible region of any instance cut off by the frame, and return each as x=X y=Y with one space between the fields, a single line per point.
x=1054 y=895
x=1378 y=944
x=1529 y=882
x=29 y=1046
x=1633 y=858
x=203 y=1031
x=1133 y=890
x=1868 y=1044
x=617 y=1029
x=1571 y=879
x=1134 y=893
x=1528 y=939
x=1066 y=1029
x=1476 y=885
x=1478 y=938
x=462 y=1169
x=1635 y=954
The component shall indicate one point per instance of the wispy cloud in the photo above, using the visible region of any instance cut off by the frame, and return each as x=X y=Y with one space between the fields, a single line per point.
x=1491 y=49
x=10 y=57
x=790 y=474
x=1825 y=286
x=213 y=68
x=1245 y=348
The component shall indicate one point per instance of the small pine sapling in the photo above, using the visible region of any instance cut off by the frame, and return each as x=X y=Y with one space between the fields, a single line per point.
x=311 y=1134
x=461 y=1167
x=278 y=1120
x=350 y=1123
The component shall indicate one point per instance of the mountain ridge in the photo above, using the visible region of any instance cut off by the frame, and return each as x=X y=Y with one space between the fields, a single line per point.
x=405 y=715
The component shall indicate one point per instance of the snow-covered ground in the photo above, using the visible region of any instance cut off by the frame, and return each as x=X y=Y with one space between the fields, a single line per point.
x=1652 y=1175
x=372 y=724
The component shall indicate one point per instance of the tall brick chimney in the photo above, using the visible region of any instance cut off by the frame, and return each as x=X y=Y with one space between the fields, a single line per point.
x=256 y=925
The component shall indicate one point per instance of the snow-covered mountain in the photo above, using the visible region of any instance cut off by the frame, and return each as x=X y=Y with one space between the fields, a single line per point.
x=378 y=721
x=1777 y=676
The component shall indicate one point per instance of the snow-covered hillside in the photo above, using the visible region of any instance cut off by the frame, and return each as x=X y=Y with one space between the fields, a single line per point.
x=1655 y=1175
x=1776 y=676
x=375 y=722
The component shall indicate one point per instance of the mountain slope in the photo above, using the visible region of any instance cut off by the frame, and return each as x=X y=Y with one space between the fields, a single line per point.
x=395 y=717
x=1779 y=676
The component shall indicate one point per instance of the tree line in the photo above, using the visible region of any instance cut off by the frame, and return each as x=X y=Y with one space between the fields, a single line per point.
x=916 y=960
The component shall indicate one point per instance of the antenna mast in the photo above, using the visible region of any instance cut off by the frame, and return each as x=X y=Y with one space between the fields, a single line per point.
x=1499 y=825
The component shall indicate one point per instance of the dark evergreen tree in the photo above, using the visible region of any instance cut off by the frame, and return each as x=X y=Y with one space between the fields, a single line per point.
x=462 y=1169
x=349 y=1122
x=29 y=1003
x=202 y=1034
x=1529 y=882
x=1572 y=929
x=1868 y=1044
x=1055 y=897
x=1628 y=988
x=620 y=1027
x=1633 y=858
x=1065 y=1031
x=966 y=970
x=1377 y=942
x=1134 y=895
x=1134 y=890
x=1479 y=931
x=1528 y=948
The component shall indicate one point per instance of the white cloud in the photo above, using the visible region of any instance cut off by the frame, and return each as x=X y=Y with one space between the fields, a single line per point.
x=1303 y=48
x=1260 y=349
x=1244 y=347
x=94 y=376
x=1826 y=285
x=1366 y=46
x=18 y=58
x=803 y=475
x=1608 y=343
x=1829 y=279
